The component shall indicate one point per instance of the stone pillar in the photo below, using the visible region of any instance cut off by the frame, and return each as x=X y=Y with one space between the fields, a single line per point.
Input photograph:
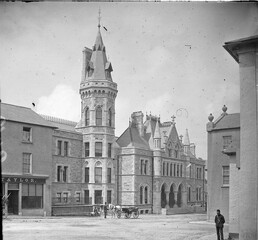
x=245 y=53
x=175 y=196
x=184 y=198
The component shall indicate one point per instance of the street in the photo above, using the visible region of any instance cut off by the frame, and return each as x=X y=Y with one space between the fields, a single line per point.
x=161 y=227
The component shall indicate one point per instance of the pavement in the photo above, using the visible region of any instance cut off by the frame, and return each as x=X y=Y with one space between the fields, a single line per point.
x=146 y=227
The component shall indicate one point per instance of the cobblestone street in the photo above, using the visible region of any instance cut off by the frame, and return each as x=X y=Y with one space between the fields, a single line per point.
x=161 y=227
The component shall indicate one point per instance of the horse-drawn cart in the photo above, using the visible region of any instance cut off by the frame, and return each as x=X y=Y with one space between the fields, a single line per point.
x=128 y=212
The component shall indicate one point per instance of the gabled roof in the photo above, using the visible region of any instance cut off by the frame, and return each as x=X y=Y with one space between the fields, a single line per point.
x=227 y=121
x=23 y=114
x=132 y=138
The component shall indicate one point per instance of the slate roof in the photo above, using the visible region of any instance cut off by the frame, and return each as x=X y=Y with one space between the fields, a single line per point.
x=23 y=114
x=132 y=138
x=228 y=121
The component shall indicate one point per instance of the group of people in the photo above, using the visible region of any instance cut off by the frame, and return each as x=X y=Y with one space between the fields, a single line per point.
x=111 y=208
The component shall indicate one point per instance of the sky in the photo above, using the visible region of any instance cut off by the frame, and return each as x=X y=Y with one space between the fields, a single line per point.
x=167 y=58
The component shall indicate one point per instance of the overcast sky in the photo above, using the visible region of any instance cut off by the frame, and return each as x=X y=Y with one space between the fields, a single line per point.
x=167 y=58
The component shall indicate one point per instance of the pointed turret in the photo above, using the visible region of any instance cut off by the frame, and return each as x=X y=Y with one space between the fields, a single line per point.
x=157 y=136
x=186 y=138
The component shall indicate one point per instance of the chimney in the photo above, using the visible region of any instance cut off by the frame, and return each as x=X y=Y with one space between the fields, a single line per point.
x=137 y=119
x=85 y=61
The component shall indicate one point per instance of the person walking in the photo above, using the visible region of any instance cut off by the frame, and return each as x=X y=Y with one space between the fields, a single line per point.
x=105 y=210
x=219 y=220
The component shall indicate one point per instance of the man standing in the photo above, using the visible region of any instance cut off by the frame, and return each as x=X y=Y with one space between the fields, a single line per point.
x=219 y=220
x=105 y=210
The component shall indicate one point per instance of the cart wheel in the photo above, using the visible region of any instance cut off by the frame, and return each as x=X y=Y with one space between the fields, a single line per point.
x=136 y=214
x=118 y=214
x=127 y=215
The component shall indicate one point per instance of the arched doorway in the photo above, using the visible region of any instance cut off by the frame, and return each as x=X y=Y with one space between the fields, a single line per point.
x=171 y=197
x=163 y=196
x=179 y=196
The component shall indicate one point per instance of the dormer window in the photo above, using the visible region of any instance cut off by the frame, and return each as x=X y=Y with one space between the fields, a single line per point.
x=108 y=74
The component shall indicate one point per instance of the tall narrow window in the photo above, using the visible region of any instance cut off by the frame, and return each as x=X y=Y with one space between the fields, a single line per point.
x=109 y=117
x=87 y=196
x=109 y=196
x=189 y=194
x=225 y=175
x=174 y=170
x=78 y=197
x=65 y=197
x=145 y=167
x=26 y=134
x=167 y=169
x=142 y=166
x=109 y=175
x=177 y=170
x=98 y=196
x=181 y=170
x=98 y=149
x=26 y=163
x=59 y=147
x=99 y=116
x=87 y=149
x=87 y=117
x=164 y=168
x=146 y=195
x=98 y=174
x=171 y=169
x=141 y=195
x=65 y=174
x=59 y=174
x=109 y=149
x=87 y=175
x=66 y=148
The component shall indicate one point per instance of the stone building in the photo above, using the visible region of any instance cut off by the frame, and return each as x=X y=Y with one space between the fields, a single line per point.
x=240 y=150
x=26 y=161
x=149 y=165
x=223 y=167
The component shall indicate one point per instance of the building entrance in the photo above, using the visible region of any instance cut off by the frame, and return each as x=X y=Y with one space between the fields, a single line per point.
x=13 y=202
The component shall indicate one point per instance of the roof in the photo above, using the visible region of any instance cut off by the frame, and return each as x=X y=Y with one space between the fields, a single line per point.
x=186 y=138
x=132 y=138
x=233 y=46
x=61 y=123
x=228 y=121
x=21 y=114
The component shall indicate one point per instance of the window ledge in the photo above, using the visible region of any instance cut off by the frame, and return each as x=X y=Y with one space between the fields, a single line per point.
x=225 y=186
x=27 y=142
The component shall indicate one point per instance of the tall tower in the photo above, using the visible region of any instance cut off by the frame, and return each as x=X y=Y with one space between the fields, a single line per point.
x=98 y=93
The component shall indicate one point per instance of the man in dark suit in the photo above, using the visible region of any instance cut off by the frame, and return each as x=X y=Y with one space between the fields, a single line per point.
x=219 y=220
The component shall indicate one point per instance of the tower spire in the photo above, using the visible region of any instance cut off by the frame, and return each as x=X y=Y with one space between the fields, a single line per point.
x=99 y=18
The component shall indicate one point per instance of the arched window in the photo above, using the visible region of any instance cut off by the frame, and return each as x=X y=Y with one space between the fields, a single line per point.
x=109 y=117
x=164 y=166
x=87 y=117
x=99 y=116
x=146 y=195
x=98 y=172
x=141 y=195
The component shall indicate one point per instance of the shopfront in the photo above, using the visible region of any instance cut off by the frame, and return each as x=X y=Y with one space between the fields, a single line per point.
x=26 y=195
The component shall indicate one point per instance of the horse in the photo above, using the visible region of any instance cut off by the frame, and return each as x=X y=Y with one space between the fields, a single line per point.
x=113 y=209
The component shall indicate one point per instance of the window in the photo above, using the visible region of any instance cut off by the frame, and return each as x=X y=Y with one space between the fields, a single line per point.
x=98 y=174
x=26 y=163
x=170 y=152
x=141 y=195
x=225 y=175
x=198 y=194
x=59 y=147
x=87 y=175
x=167 y=169
x=226 y=141
x=142 y=166
x=26 y=134
x=164 y=166
x=99 y=116
x=65 y=173
x=177 y=170
x=87 y=149
x=59 y=173
x=174 y=170
x=189 y=194
x=109 y=149
x=32 y=195
x=109 y=198
x=109 y=175
x=199 y=173
x=66 y=148
x=78 y=197
x=98 y=149
x=109 y=117
x=87 y=117
x=86 y=196
x=98 y=196
x=181 y=170
x=58 y=197
x=146 y=195
x=145 y=167
x=65 y=197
